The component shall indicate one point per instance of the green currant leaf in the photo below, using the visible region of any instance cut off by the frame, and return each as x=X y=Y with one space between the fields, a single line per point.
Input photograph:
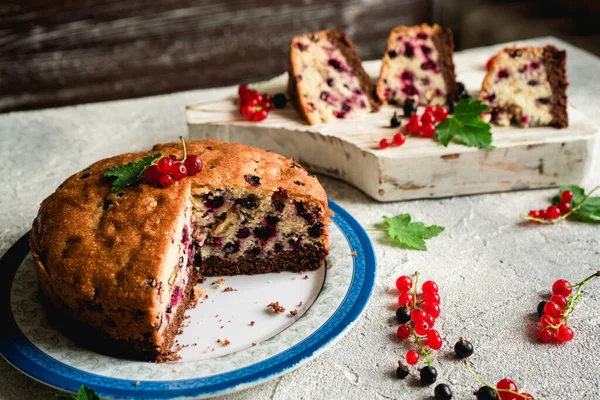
x=465 y=127
x=127 y=174
x=409 y=234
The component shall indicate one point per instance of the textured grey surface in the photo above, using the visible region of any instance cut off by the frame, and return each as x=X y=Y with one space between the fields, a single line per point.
x=492 y=271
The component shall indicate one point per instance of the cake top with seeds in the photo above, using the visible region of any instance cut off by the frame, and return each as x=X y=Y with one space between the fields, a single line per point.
x=113 y=244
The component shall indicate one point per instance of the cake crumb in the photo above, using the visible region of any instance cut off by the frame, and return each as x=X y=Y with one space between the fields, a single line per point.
x=226 y=342
x=176 y=369
x=137 y=383
x=353 y=253
x=300 y=304
x=294 y=312
x=229 y=289
x=276 y=307
x=330 y=266
x=293 y=278
x=252 y=323
x=217 y=316
x=222 y=327
x=253 y=344
x=218 y=282
x=305 y=276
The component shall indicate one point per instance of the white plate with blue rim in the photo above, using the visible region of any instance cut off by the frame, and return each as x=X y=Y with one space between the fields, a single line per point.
x=231 y=341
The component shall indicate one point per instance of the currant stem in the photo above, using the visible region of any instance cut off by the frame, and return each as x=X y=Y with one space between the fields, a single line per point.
x=564 y=216
x=572 y=297
x=184 y=151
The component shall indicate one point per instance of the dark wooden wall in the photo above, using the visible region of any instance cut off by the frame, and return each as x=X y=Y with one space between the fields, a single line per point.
x=59 y=52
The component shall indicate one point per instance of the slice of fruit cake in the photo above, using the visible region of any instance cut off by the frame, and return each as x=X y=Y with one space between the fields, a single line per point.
x=418 y=65
x=326 y=78
x=527 y=86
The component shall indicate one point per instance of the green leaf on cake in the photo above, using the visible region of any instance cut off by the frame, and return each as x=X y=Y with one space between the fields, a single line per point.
x=127 y=174
x=411 y=235
x=84 y=393
x=465 y=127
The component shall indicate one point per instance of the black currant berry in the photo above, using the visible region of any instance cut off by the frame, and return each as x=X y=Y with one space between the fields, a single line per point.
x=463 y=348
x=401 y=371
x=461 y=87
x=442 y=392
x=486 y=393
x=409 y=107
x=402 y=315
x=395 y=121
x=279 y=100
x=428 y=375
x=541 y=306
x=465 y=95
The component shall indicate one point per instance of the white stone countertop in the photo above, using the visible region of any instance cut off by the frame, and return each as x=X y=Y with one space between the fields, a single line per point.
x=492 y=271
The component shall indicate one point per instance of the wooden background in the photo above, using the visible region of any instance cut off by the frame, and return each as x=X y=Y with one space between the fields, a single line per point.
x=58 y=52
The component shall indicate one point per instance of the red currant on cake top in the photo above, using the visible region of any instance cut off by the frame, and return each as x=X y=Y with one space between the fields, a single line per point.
x=193 y=164
x=178 y=171
x=164 y=165
x=152 y=174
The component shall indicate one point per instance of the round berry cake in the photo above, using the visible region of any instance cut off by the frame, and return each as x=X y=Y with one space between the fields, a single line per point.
x=118 y=268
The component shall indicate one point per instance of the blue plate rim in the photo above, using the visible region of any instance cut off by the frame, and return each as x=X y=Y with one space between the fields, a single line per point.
x=24 y=356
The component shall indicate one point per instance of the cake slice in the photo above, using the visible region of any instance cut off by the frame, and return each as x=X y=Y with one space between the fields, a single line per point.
x=326 y=78
x=418 y=65
x=527 y=86
x=118 y=270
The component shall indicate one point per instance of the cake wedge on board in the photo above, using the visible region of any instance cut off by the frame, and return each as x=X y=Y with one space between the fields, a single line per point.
x=422 y=168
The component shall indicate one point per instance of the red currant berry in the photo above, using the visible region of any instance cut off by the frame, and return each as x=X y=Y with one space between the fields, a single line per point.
x=417 y=315
x=560 y=300
x=526 y=396
x=384 y=143
x=564 y=207
x=243 y=89
x=566 y=196
x=433 y=310
x=564 y=334
x=506 y=384
x=193 y=164
x=404 y=284
x=152 y=174
x=405 y=299
x=173 y=157
x=440 y=114
x=427 y=130
x=267 y=101
x=552 y=309
x=259 y=115
x=552 y=212
x=178 y=171
x=247 y=110
x=434 y=340
x=429 y=110
x=252 y=102
x=489 y=62
x=421 y=328
x=429 y=320
x=562 y=287
x=431 y=298
x=542 y=214
x=399 y=139
x=412 y=357
x=165 y=181
x=429 y=287
x=534 y=214
x=414 y=124
x=427 y=118
x=546 y=335
x=403 y=332
x=547 y=320
x=164 y=165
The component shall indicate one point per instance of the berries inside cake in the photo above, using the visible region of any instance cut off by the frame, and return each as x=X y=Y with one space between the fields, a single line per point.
x=527 y=87
x=326 y=78
x=418 y=65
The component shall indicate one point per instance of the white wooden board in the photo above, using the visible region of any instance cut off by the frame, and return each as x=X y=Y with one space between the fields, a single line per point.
x=421 y=168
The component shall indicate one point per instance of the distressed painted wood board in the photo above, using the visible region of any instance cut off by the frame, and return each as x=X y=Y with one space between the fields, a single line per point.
x=421 y=168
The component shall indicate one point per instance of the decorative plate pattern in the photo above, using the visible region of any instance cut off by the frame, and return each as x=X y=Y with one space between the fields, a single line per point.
x=333 y=298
